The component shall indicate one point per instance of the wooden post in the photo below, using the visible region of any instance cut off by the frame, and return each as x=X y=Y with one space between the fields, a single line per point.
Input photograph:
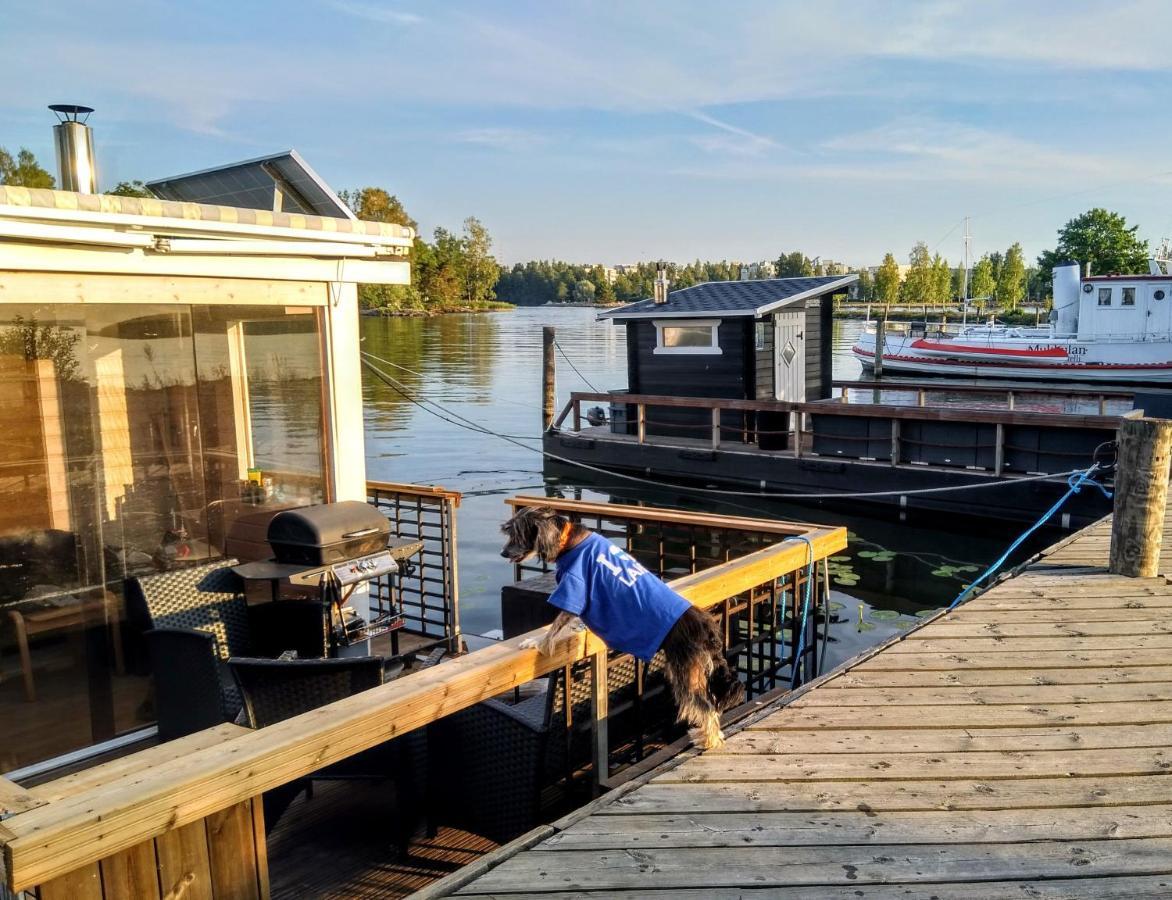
x=577 y=407
x=880 y=340
x=921 y=397
x=642 y=424
x=795 y=424
x=548 y=393
x=1141 y=492
x=1102 y=405
x=999 y=449
x=716 y=428
x=599 y=703
x=895 y=449
x=1010 y=400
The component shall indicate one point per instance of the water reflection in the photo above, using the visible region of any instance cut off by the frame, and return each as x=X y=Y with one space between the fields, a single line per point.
x=488 y=369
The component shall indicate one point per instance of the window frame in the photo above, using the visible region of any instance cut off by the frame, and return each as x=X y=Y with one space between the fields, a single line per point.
x=1123 y=295
x=1105 y=295
x=713 y=349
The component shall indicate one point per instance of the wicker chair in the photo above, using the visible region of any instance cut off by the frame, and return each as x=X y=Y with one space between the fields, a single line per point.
x=277 y=689
x=503 y=756
x=197 y=618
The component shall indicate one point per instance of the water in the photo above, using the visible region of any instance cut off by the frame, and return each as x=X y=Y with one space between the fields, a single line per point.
x=487 y=369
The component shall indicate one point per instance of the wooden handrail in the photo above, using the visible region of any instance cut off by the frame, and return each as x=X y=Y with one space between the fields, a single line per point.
x=667 y=516
x=72 y=831
x=867 y=410
x=943 y=386
x=417 y=490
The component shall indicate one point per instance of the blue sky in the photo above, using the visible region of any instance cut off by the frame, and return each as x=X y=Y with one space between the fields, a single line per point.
x=617 y=131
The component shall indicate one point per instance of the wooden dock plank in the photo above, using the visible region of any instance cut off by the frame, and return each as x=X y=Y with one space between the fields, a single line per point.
x=893 y=796
x=976 y=764
x=1081 y=628
x=1014 y=644
x=969 y=716
x=792 y=829
x=950 y=740
x=628 y=869
x=1142 y=887
x=1034 y=692
x=876 y=678
x=956 y=662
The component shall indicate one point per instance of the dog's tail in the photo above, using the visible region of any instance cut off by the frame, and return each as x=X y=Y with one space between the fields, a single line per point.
x=726 y=690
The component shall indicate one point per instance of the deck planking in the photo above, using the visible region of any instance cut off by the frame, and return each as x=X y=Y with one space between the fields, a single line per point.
x=1020 y=746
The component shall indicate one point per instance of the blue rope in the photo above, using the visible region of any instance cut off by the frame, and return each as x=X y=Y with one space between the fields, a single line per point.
x=1075 y=483
x=799 y=659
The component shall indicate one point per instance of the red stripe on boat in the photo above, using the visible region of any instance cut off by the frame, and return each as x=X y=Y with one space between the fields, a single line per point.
x=1048 y=353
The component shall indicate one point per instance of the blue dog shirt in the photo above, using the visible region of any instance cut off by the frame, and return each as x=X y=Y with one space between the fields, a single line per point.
x=631 y=609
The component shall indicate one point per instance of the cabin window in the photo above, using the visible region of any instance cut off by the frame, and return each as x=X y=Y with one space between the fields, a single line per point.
x=689 y=336
x=761 y=332
x=1128 y=298
x=1104 y=296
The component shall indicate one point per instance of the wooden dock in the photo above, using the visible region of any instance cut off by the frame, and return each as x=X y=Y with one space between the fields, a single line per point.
x=1018 y=747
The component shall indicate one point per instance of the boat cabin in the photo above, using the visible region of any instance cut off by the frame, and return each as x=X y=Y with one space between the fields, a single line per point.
x=1124 y=307
x=766 y=339
x=167 y=370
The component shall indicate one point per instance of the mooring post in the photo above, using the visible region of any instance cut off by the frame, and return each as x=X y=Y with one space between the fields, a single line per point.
x=548 y=394
x=880 y=339
x=1141 y=493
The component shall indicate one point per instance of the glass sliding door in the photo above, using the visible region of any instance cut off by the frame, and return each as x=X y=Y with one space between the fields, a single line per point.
x=136 y=435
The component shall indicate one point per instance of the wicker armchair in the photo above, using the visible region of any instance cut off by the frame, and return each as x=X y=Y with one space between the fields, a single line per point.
x=504 y=756
x=277 y=689
x=197 y=618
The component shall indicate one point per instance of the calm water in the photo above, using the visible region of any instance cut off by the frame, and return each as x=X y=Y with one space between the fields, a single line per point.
x=487 y=369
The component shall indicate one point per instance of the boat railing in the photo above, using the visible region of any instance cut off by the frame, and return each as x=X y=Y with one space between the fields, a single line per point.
x=1003 y=442
x=186 y=816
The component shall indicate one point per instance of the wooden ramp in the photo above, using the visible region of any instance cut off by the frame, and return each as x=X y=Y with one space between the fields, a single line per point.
x=1018 y=747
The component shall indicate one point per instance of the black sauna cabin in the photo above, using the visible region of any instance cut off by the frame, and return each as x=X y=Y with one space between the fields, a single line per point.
x=763 y=339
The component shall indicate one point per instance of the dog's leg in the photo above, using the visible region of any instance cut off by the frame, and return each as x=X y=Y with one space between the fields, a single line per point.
x=689 y=683
x=564 y=625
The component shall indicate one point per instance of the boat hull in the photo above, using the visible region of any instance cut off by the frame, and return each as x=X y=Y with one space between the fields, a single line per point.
x=1046 y=359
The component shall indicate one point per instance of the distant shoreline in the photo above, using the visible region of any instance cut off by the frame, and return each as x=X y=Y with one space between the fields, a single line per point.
x=410 y=313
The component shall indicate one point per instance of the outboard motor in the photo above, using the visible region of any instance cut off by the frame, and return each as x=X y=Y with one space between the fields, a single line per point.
x=596 y=416
x=1067 y=284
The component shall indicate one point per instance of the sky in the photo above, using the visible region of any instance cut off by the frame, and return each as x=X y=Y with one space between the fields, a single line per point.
x=621 y=131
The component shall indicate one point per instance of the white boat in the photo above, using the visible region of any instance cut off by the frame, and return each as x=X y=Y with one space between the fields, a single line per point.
x=1103 y=328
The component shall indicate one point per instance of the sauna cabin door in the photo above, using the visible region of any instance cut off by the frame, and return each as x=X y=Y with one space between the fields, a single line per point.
x=789 y=347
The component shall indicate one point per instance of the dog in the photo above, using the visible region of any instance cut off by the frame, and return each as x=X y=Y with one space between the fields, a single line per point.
x=601 y=587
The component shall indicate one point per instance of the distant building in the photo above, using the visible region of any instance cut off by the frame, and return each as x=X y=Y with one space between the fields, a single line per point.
x=904 y=268
x=750 y=271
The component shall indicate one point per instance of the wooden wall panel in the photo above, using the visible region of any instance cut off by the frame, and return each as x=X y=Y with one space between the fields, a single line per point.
x=132 y=873
x=184 y=869
x=232 y=853
x=80 y=884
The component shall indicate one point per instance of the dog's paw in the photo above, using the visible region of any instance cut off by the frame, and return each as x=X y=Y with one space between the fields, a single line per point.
x=530 y=644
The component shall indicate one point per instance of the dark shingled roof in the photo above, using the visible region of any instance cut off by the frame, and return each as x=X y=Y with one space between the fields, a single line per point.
x=733 y=298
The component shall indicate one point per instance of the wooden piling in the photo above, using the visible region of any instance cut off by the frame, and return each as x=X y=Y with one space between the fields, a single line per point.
x=548 y=393
x=1141 y=492
x=880 y=338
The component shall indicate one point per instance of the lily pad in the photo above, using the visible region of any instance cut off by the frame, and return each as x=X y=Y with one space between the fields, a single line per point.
x=905 y=624
x=867 y=554
x=865 y=626
x=884 y=615
x=839 y=559
x=925 y=613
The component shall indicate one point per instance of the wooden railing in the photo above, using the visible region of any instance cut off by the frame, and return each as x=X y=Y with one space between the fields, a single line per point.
x=1010 y=395
x=799 y=428
x=185 y=816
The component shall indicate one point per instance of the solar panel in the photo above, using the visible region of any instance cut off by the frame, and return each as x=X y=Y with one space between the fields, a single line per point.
x=282 y=182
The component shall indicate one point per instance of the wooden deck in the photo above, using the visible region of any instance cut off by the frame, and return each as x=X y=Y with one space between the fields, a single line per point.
x=1018 y=747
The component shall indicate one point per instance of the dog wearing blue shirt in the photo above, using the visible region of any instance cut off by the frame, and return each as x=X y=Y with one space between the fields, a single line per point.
x=601 y=587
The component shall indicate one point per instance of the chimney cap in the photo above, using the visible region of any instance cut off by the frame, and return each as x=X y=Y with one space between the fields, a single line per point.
x=70 y=112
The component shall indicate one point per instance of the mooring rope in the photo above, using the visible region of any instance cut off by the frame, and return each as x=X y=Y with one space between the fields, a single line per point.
x=799 y=664
x=1075 y=483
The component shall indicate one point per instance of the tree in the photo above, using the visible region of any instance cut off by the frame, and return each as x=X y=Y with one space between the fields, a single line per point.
x=24 y=170
x=983 y=283
x=373 y=204
x=32 y=340
x=865 y=291
x=480 y=267
x=130 y=189
x=1100 y=238
x=918 y=283
x=941 y=281
x=794 y=265
x=887 y=281
x=584 y=291
x=1011 y=279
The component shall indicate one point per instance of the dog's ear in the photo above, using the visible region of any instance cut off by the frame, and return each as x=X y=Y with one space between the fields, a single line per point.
x=548 y=539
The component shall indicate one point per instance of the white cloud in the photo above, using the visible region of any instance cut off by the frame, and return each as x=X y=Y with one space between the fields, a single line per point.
x=508 y=139
x=375 y=13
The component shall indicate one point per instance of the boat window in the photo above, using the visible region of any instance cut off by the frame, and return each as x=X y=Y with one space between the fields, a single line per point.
x=696 y=336
x=1104 y=296
x=1128 y=297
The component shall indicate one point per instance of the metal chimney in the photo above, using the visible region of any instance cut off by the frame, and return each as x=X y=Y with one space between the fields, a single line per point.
x=74 y=141
x=661 y=282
